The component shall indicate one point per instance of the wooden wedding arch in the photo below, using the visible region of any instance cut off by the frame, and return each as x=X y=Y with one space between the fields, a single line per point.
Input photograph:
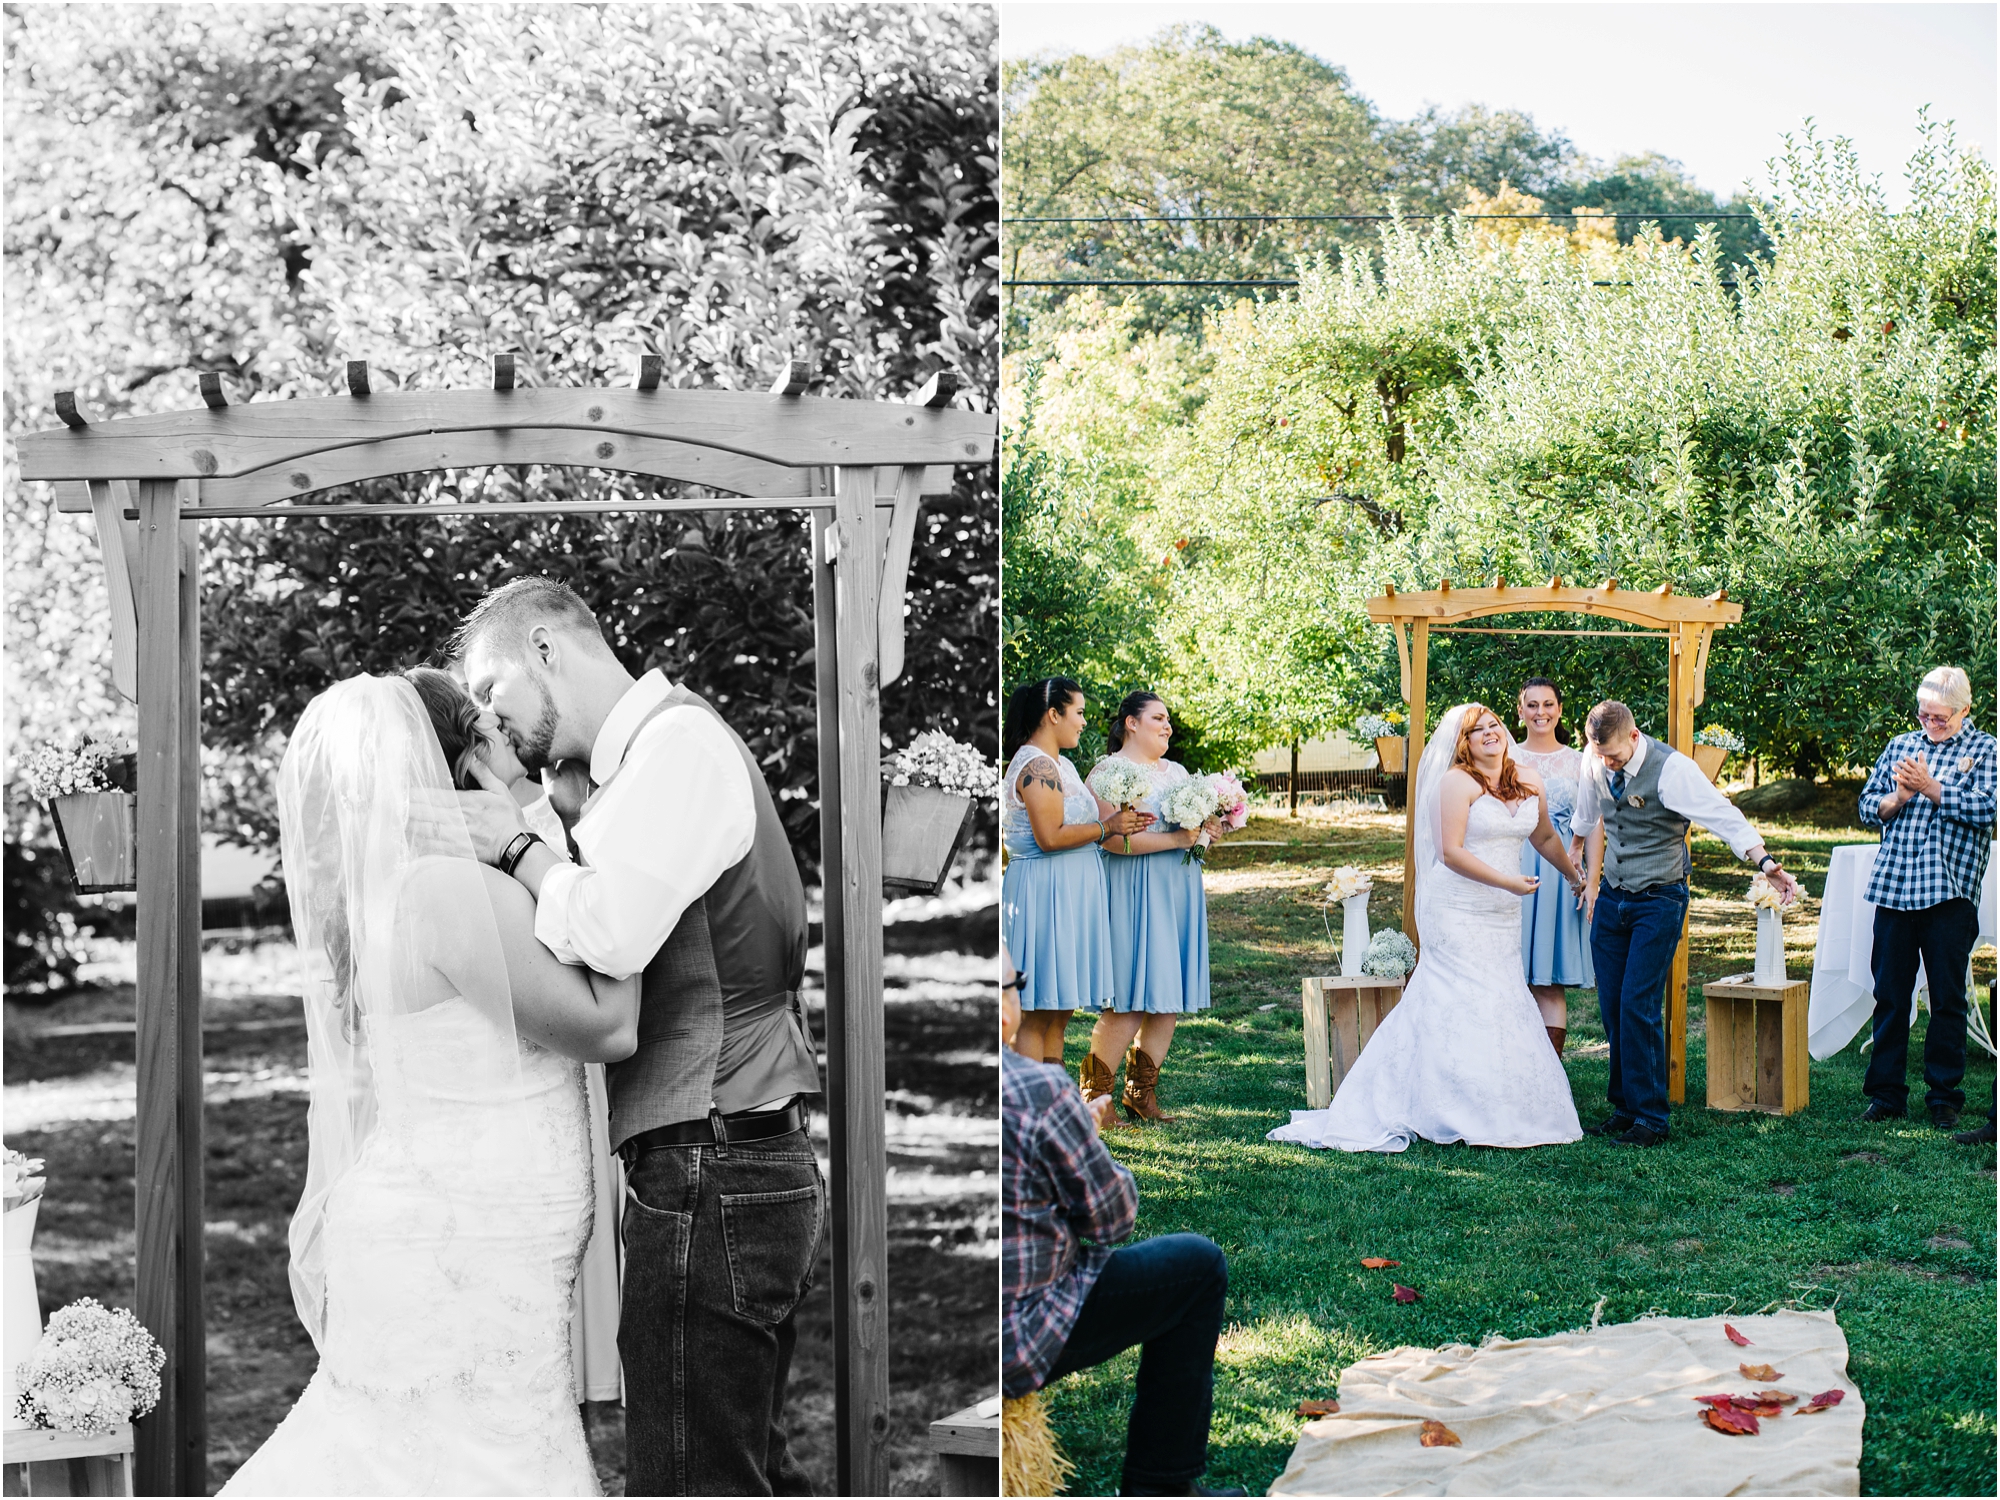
x=1687 y=624
x=860 y=469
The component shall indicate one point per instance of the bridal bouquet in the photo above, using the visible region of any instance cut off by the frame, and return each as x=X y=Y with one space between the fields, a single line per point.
x=1715 y=734
x=81 y=764
x=1347 y=881
x=1387 y=726
x=1232 y=802
x=1190 y=805
x=934 y=758
x=1122 y=784
x=95 y=1368
x=1390 y=955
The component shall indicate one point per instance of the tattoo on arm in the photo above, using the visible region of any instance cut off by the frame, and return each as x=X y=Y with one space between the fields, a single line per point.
x=1040 y=772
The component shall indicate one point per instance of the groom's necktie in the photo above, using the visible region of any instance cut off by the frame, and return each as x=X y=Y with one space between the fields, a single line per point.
x=1618 y=785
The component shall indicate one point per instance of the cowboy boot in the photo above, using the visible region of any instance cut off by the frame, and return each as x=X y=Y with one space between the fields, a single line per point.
x=1098 y=1081
x=1142 y=1078
x=1557 y=1036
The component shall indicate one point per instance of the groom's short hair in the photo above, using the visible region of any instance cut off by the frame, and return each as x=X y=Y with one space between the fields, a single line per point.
x=1608 y=720
x=503 y=617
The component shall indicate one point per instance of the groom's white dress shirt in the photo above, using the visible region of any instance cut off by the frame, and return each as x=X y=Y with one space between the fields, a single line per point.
x=1683 y=788
x=679 y=812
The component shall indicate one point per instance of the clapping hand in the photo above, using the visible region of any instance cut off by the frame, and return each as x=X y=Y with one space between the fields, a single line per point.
x=1103 y=1110
x=1914 y=779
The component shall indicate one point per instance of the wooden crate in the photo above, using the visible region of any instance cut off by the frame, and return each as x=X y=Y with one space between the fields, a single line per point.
x=967 y=1444
x=1341 y=1014
x=39 y=1461
x=1757 y=1055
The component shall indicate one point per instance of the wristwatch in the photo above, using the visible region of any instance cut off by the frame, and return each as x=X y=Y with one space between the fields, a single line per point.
x=1768 y=863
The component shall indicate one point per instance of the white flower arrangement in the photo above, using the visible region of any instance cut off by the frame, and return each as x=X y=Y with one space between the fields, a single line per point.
x=1348 y=881
x=1390 y=955
x=80 y=764
x=935 y=759
x=1389 y=726
x=96 y=1368
x=21 y=1177
x=1120 y=782
x=1715 y=734
x=1763 y=893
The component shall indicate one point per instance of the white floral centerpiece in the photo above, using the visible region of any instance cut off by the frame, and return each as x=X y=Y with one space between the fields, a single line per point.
x=1764 y=899
x=1350 y=887
x=928 y=789
x=96 y=1368
x=1190 y=805
x=1390 y=955
x=1121 y=783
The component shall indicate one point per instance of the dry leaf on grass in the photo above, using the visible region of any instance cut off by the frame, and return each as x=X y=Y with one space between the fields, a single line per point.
x=1734 y=1337
x=1318 y=1406
x=1437 y=1435
x=1377 y=1263
x=1824 y=1401
x=1405 y=1293
x=1760 y=1372
x=1727 y=1419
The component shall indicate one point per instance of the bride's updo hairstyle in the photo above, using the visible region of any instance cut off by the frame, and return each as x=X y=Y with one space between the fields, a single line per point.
x=1032 y=702
x=1134 y=705
x=1508 y=788
x=1562 y=729
x=455 y=719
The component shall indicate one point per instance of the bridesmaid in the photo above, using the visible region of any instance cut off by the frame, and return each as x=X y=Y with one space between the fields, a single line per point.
x=1159 y=923
x=1052 y=908
x=1555 y=935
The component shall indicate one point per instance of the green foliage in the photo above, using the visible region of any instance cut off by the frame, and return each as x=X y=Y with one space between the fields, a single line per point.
x=724 y=186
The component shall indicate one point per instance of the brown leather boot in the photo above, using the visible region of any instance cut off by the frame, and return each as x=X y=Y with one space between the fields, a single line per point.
x=1557 y=1036
x=1098 y=1080
x=1142 y=1078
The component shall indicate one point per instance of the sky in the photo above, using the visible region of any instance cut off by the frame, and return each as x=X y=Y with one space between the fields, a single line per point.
x=1715 y=86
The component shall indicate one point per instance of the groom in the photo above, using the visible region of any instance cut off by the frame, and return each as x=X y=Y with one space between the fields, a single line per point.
x=686 y=877
x=1645 y=794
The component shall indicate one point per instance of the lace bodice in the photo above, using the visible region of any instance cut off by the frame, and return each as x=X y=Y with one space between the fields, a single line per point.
x=1164 y=774
x=1493 y=835
x=1079 y=805
x=1559 y=769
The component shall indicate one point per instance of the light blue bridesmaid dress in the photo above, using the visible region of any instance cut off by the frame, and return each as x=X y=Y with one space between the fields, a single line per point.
x=1159 y=919
x=1053 y=917
x=1555 y=943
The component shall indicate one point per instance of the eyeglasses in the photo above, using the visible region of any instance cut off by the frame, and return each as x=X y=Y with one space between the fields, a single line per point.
x=1938 y=720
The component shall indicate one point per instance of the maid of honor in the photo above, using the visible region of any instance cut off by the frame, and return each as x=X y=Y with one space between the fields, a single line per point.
x=1555 y=936
x=1053 y=915
x=1159 y=923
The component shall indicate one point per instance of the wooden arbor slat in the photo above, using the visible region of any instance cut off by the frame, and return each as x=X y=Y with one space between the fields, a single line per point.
x=1688 y=623
x=861 y=469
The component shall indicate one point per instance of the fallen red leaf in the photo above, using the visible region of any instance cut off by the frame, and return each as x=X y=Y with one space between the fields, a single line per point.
x=1734 y=1337
x=1377 y=1263
x=1824 y=1401
x=1783 y=1398
x=1437 y=1435
x=1318 y=1406
x=1727 y=1419
x=1405 y=1293
x=1714 y=1400
x=1760 y=1372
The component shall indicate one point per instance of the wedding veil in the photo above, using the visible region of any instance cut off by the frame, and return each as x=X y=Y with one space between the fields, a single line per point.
x=384 y=890
x=1427 y=800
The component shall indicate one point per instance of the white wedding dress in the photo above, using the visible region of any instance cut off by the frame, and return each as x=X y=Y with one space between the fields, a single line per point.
x=1463 y=1056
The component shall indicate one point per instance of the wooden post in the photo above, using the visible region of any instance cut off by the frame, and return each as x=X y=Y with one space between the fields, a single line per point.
x=171 y=1443
x=854 y=1009
x=1420 y=670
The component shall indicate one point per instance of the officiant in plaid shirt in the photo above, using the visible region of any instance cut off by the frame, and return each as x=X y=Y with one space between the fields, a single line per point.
x=1931 y=794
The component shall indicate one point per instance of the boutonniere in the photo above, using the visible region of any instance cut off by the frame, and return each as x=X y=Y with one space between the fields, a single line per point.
x=1635 y=800
x=1965 y=764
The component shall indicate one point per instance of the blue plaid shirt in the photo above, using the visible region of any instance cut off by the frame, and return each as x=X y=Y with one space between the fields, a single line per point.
x=1933 y=851
x=1063 y=1201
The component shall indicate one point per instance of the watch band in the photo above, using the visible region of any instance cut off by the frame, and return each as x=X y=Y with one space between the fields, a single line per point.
x=517 y=850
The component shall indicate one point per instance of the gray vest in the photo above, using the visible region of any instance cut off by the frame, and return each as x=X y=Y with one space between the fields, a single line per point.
x=720 y=1020
x=1645 y=841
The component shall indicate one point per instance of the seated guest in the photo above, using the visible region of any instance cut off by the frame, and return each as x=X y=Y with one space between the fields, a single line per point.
x=1070 y=1301
x=1931 y=794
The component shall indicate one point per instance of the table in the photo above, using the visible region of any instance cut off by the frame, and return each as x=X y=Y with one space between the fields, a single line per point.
x=1843 y=981
x=967 y=1444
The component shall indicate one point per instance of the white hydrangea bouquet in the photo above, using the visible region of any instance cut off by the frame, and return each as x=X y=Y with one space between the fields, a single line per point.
x=82 y=763
x=934 y=758
x=1390 y=955
x=1190 y=805
x=1122 y=784
x=96 y=1368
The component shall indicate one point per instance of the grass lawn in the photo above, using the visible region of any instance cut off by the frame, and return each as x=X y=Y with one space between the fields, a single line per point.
x=1891 y=1226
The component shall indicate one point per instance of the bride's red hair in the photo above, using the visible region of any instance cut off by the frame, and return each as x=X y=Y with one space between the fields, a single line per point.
x=1510 y=789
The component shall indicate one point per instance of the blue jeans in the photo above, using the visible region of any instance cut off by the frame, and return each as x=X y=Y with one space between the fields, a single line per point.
x=1632 y=943
x=720 y=1243
x=1165 y=1295
x=1942 y=935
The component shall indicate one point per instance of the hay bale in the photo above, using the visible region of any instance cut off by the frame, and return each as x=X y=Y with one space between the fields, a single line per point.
x=1030 y=1461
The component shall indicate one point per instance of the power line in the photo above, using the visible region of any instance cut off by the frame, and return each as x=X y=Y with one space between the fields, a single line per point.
x=1352 y=218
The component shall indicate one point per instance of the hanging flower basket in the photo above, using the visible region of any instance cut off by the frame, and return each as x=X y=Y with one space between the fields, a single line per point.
x=1714 y=745
x=1387 y=731
x=932 y=785
x=91 y=791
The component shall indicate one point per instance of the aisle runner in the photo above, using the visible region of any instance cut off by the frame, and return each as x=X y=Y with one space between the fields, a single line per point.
x=1607 y=1412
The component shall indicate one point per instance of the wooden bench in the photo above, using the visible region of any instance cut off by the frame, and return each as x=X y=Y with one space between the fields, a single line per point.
x=1341 y=1013
x=41 y=1461
x=1757 y=1055
x=967 y=1444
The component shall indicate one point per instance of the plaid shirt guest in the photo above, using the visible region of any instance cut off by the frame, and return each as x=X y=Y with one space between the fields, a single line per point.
x=1063 y=1201
x=1933 y=852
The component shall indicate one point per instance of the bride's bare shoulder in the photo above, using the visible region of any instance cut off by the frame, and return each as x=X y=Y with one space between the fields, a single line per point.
x=1462 y=783
x=1528 y=777
x=452 y=900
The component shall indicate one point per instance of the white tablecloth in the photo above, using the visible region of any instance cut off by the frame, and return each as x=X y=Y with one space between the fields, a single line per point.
x=1843 y=979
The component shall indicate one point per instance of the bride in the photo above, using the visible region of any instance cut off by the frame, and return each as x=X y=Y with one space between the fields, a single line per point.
x=448 y=1194
x=1463 y=1056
